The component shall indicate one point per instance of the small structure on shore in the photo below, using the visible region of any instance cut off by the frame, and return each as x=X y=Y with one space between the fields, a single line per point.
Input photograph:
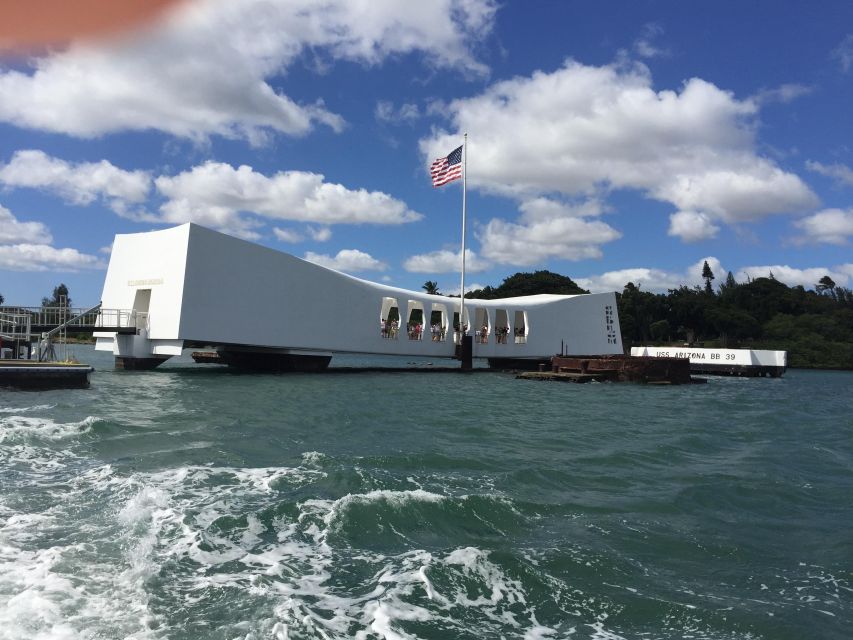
x=751 y=363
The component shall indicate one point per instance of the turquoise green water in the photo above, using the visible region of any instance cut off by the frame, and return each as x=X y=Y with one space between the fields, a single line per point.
x=190 y=502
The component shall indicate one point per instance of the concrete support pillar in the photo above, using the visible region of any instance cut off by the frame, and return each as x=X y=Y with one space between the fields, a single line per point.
x=467 y=353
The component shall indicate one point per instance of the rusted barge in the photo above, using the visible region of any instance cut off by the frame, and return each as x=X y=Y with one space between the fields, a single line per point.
x=615 y=368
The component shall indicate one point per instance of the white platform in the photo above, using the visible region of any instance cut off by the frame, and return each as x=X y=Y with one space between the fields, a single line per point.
x=741 y=357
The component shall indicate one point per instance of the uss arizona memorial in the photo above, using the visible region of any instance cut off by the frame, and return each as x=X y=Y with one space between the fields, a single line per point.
x=189 y=287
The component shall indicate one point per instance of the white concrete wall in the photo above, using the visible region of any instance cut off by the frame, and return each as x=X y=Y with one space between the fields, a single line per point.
x=213 y=288
x=154 y=261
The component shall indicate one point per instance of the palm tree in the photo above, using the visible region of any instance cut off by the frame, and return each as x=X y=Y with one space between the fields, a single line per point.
x=431 y=287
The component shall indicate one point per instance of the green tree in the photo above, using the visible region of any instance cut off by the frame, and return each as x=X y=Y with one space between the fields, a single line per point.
x=688 y=312
x=431 y=287
x=733 y=325
x=57 y=299
x=529 y=284
x=826 y=284
x=638 y=310
x=707 y=275
x=660 y=331
x=728 y=286
x=2 y=299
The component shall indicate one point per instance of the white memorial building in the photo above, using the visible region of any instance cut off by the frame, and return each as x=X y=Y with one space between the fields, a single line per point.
x=191 y=287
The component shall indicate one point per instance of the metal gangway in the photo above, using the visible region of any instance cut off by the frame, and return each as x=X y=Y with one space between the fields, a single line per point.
x=23 y=325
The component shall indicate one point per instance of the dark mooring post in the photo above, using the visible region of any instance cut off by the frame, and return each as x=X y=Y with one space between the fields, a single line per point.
x=467 y=354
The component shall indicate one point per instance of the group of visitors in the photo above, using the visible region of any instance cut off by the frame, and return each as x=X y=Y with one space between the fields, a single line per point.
x=438 y=332
x=501 y=334
x=415 y=331
x=389 y=329
x=482 y=334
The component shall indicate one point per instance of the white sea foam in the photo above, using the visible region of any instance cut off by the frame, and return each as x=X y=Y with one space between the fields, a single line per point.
x=293 y=561
x=65 y=591
x=16 y=428
x=38 y=407
x=313 y=458
x=217 y=530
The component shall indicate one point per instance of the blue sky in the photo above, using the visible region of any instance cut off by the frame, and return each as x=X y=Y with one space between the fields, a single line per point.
x=608 y=141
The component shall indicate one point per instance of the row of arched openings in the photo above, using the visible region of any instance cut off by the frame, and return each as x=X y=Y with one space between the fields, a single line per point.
x=433 y=322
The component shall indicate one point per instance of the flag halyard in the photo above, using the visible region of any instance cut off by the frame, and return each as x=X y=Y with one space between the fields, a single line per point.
x=448 y=169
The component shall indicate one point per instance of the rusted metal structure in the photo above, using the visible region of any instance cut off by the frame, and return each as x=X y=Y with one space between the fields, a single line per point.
x=615 y=368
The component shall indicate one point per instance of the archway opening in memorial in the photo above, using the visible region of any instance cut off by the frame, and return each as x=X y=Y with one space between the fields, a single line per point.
x=464 y=329
x=502 y=327
x=141 y=304
x=482 y=328
x=438 y=322
x=521 y=328
x=389 y=318
x=415 y=320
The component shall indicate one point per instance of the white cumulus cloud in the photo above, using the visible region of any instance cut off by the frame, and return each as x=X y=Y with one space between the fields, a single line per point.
x=793 y=276
x=661 y=280
x=692 y=226
x=26 y=246
x=830 y=226
x=209 y=69
x=42 y=257
x=652 y=279
x=14 y=232
x=583 y=130
x=287 y=235
x=319 y=234
x=648 y=279
x=528 y=243
x=445 y=261
x=348 y=260
x=77 y=183
x=231 y=199
x=841 y=173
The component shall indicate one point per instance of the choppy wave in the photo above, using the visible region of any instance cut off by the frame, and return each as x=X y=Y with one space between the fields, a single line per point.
x=196 y=537
x=15 y=428
x=206 y=543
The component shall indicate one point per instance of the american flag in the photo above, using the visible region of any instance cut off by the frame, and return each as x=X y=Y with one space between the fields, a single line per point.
x=444 y=170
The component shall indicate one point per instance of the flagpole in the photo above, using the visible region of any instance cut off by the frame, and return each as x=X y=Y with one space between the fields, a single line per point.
x=464 y=194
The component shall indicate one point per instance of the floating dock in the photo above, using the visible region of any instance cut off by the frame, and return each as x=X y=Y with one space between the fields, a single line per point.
x=31 y=375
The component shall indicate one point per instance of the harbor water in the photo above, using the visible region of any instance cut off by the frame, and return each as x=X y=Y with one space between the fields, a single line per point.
x=191 y=502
